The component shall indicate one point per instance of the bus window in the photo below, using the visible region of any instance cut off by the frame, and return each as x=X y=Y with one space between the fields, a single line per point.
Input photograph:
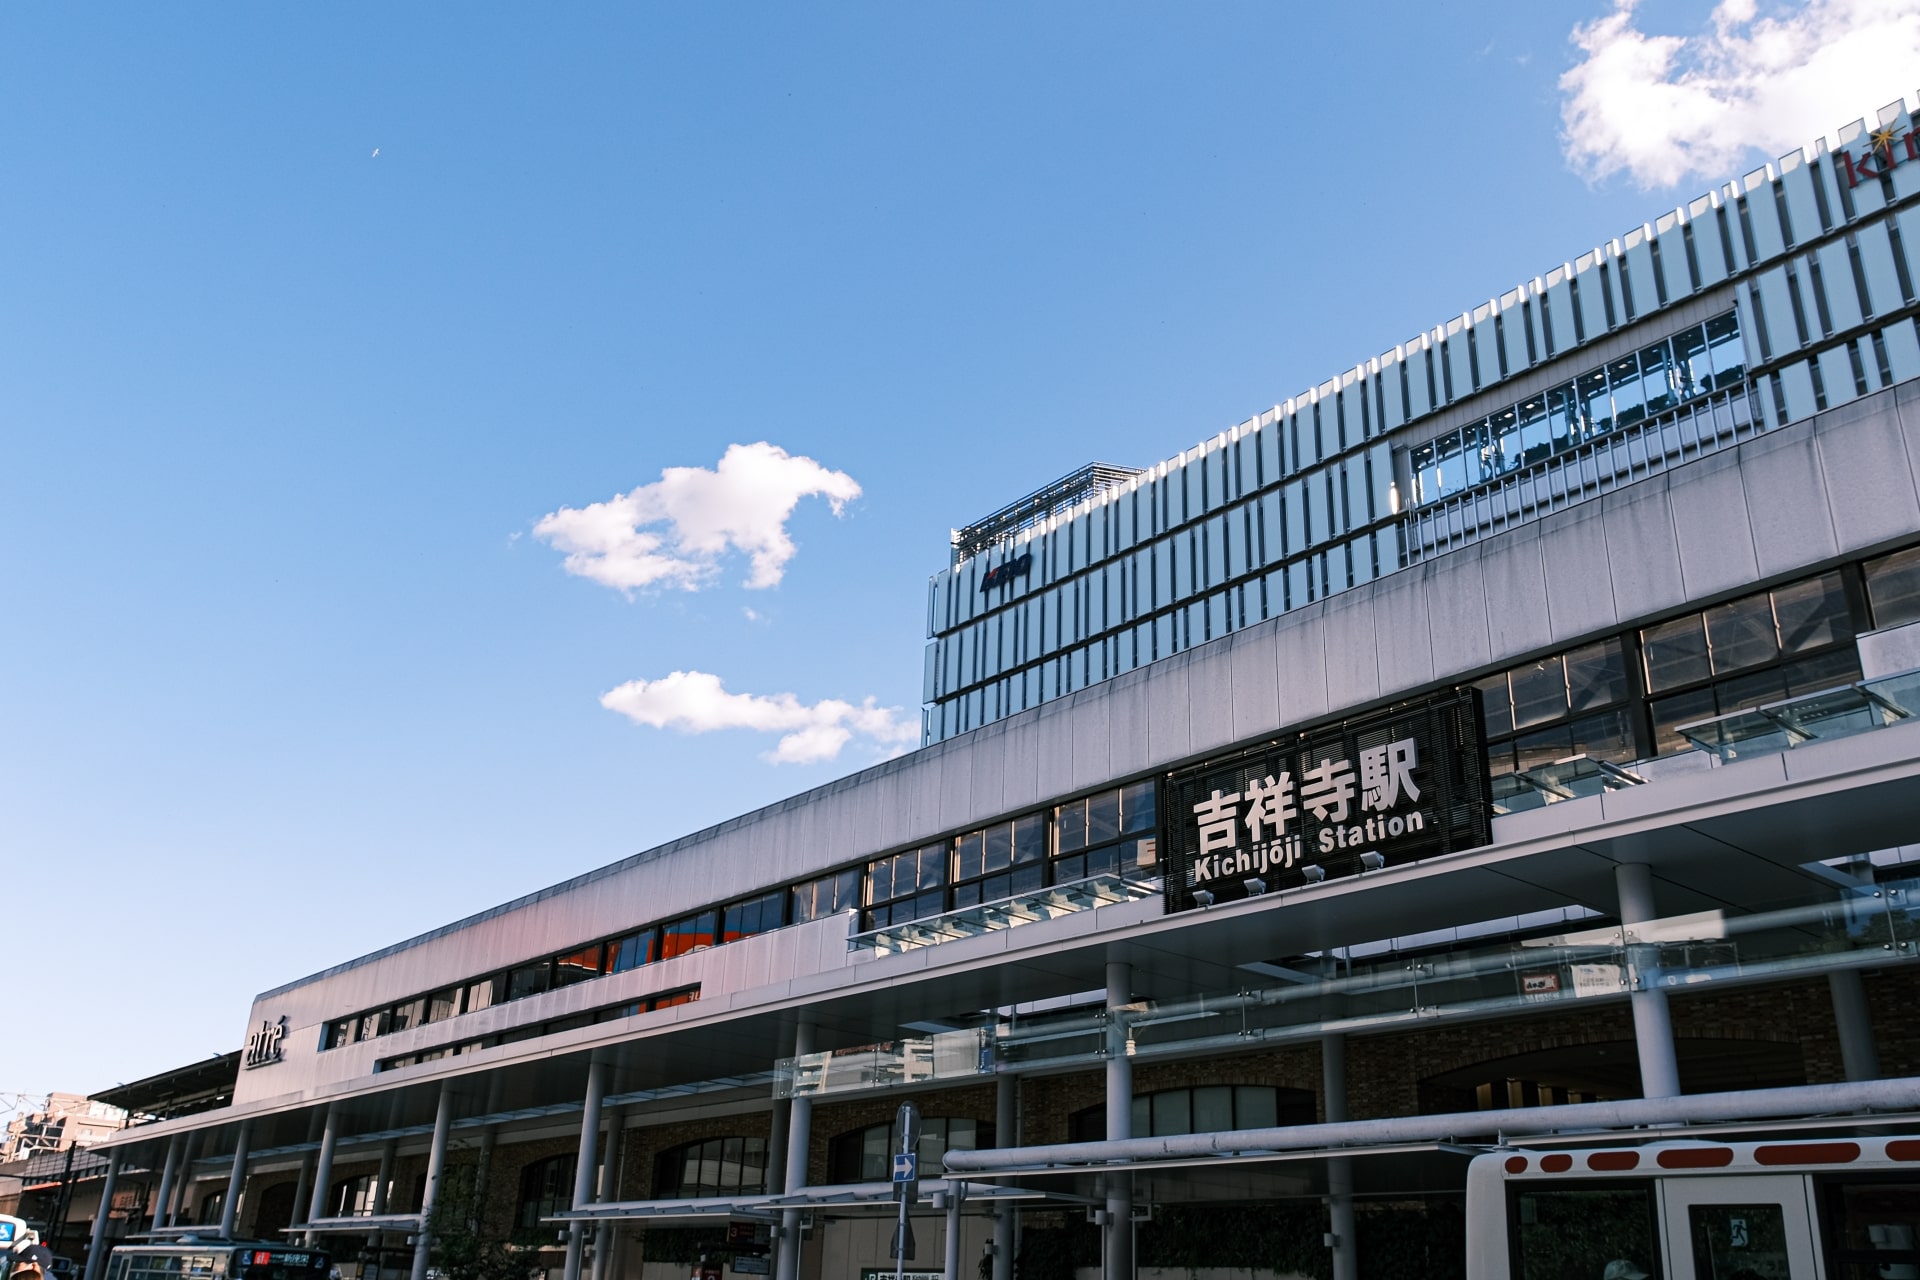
x=1579 y=1233
x=1738 y=1241
x=1876 y=1231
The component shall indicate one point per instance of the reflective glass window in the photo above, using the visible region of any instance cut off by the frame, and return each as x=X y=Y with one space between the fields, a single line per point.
x=1596 y=406
x=1676 y=653
x=1585 y=1232
x=756 y=915
x=343 y=1031
x=1812 y=614
x=1656 y=379
x=1536 y=432
x=1539 y=692
x=827 y=895
x=1670 y=713
x=484 y=994
x=1542 y=746
x=632 y=951
x=1505 y=449
x=1741 y=633
x=1822 y=671
x=529 y=980
x=577 y=966
x=442 y=1005
x=1893 y=588
x=1596 y=676
x=1728 y=352
x=1563 y=418
x=1452 y=469
x=409 y=1013
x=1692 y=369
x=1496 y=705
x=1474 y=446
x=1606 y=736
x=1628 y=404
x=683 y=937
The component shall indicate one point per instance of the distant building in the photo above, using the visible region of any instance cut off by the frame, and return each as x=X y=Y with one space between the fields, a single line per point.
x=66 y=1120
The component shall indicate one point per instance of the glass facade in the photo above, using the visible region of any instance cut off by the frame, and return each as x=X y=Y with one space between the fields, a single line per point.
x=715 y=1167
x=1692 y=363
x=865 y=1154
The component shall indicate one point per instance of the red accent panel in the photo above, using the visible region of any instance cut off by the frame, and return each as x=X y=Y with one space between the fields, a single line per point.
x=1518 y=1164
x=1556 y=1164
x=1808 y=1153
x=1613 y=1161
x=1697 y=1158
x=1904 y=1149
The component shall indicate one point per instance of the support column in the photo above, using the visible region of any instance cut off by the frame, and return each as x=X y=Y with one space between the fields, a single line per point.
x=584 y=1165
x=168 y=1171
x=322 y=1173
x=381 y=1182
x=1333 y=1089
x=1006 y=1133
x=96 y=1244
x=430 y=1193
x=482 y=1170
x=950 y=1267
x=302 y=1187
x=1652 y=1021
x=183 y=1181
x=1119 y=1228
x=236 y=1181
x=799 y=1137
x=608 y=1191
x=1858 y=1054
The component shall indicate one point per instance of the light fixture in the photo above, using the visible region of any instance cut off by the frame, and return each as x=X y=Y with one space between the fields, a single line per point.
x=1203 y=896
x=1314 y=872
x=1255 y=886
x=1372 y=861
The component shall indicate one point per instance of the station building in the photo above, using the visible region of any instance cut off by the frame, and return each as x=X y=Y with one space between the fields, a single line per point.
x=1523 y=717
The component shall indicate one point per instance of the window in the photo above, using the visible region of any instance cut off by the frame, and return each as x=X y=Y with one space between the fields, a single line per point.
x=632 y=951
x=1696 y=361
x=410 y=1013
x=755 y=915
x=1207 y=1109
x=546 y=1188
x=484 y=994
x=353 y=1197
x=1109 y=833
x=715 y=1167
x=529 y=979
x=686 y=936
x=342 y=1031
x=865 y=1155
x=1000 y=861
x=442 y=1005
x=906 y=886
x=1569 y=1231
x=1893 y=588
x=826 y=896
x=578 y=966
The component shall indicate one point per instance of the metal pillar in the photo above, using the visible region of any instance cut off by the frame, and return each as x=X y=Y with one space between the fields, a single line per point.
x=430 y=1193
x=482 y=1170
x=322 y=1172
x=609 y=1190
x=583 y=1166
x=381 y=1182
x=236 y=1181
x=302 y=1187
x=950 y=1267
x=96 y=1255
x=1858 y=1053
x=1119 y=1226
x=1340 y=1236
x=1006 y=1133
x=1652 y=1021
x=183 y=1181
x=799 y=1136
x=168 y=1170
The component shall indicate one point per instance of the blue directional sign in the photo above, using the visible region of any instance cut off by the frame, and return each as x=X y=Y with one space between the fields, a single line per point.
x=906 y=1166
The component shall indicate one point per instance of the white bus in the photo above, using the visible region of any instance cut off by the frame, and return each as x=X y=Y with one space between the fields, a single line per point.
x=1790 y=1209
x=216 y=1259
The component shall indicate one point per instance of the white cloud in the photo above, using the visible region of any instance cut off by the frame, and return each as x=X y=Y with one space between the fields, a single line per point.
x=1663 y=108
x=674 y=532
x=696 y=702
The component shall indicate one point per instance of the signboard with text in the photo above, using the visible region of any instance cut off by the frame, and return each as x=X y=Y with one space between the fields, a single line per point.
x=1367 y=793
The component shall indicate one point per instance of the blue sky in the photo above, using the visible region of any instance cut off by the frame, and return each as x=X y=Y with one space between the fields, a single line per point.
x=287 y=669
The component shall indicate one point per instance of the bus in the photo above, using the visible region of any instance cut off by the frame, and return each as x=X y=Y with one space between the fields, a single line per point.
x=1827 y=1208
x=213 y=1259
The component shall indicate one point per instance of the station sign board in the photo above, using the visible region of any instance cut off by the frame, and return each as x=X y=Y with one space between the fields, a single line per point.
x=1360 y=794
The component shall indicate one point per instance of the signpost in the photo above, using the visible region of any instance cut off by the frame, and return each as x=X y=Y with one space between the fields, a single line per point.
x=906 y=1184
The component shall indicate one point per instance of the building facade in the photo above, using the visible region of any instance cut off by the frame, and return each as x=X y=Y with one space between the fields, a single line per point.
x=1525 y=718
